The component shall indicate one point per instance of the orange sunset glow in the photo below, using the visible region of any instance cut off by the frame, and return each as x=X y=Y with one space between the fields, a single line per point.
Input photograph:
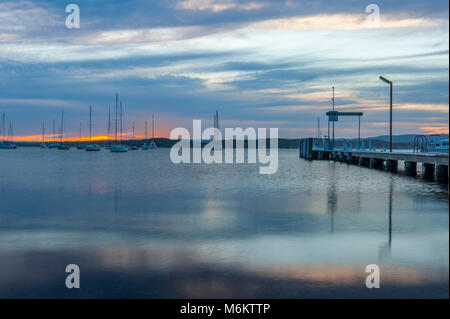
x=38 y=138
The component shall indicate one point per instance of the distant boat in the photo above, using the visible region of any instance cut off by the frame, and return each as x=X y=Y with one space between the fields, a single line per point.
x=117 y=147
x=61 y=145
x=152 y=145
x=7 y=146
x=91 y=147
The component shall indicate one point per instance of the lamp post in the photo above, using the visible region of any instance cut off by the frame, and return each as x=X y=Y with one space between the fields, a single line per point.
x=390 y=118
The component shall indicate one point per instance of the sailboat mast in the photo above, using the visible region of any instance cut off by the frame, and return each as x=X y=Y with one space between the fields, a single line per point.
x=153 y=126
x=54 y=131
x=62 y=126
x=115 y=125
x=133 y=129
x=3 y=127
x=90 y=123
x=146 y=130
x=109 y=122
x=121 y=121
x=80 y=131
x=43 y=130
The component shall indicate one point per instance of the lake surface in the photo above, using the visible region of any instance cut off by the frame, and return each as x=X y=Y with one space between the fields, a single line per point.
x=140 y=226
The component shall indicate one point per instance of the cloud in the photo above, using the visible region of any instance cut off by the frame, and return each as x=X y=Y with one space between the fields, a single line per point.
x=219 y=5
x=255 y=64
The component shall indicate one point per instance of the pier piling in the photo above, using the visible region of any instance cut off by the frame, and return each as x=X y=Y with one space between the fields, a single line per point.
x=441 y=172
x=411 y=168
x=428 y=171
x=392 y=165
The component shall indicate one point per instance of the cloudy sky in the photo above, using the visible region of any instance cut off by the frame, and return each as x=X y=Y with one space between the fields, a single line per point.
x=259 y=63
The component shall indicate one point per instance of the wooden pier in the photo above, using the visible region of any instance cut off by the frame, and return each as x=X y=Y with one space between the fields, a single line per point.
x=435 y=165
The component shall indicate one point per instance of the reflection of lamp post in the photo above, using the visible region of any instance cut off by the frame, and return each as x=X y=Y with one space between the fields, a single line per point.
x=333 y=117
x=390 y=119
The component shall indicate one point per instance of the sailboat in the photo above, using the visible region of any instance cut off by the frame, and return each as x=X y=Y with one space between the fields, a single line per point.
x=53 y=144
x=145 y=146
x=133 y=147
x=116 y=147
x=152 y=142
x=5 y=144
x=61 y=145
x=108 y=145
x=91 y=147
x=43 y=145
x=80 y=146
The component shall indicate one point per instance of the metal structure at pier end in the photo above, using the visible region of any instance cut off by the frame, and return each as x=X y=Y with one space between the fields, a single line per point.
x=333 y=116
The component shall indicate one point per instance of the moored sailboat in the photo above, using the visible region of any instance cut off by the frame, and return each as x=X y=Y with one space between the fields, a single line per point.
x=91 y=147
x=152 y=142
x=117 y=147
x=61 y=145
x=43 y=145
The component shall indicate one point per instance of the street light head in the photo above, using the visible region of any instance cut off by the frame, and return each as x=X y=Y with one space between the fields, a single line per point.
x=382 y=78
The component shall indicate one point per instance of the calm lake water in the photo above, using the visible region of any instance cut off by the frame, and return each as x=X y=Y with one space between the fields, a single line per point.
x=139 y=226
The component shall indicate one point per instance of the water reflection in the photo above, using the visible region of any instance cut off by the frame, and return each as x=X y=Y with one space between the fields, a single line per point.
x=144 y=227
x=332 y=195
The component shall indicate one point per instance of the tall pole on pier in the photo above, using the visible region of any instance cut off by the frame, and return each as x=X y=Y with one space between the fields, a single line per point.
x=359 y=130
x=318 y=127
x=382 y=78
x=333 y=117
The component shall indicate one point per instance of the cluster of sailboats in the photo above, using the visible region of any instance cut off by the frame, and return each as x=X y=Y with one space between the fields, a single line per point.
x=118 y=146
x=7 y=139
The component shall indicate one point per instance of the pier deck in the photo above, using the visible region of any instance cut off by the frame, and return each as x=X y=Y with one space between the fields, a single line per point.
x=434 y=165
x=425 y=158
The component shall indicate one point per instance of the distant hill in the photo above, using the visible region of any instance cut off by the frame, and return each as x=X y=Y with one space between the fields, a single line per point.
x=399 y=141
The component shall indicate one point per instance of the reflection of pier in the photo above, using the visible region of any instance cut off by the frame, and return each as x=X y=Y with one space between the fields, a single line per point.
x=435 y=165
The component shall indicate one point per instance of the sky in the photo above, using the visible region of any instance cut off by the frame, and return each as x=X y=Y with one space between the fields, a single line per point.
x=258 y=63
